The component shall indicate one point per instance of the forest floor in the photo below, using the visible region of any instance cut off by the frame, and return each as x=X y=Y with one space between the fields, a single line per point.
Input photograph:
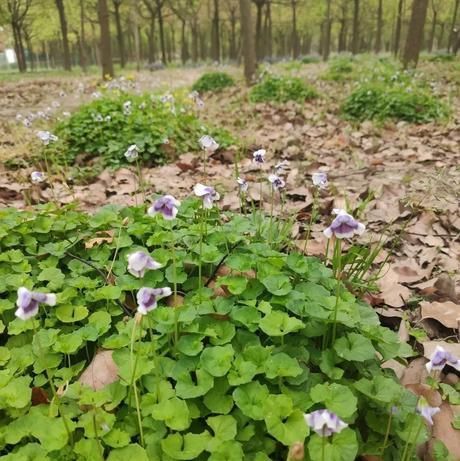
x=407 y=175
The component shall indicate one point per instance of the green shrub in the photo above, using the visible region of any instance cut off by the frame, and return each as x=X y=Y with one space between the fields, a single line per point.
x=231 y=381
x=213 y=82
x=104 y=129
x=282 y=89
x=311 y=59
x=340 y=69
x=382 y=101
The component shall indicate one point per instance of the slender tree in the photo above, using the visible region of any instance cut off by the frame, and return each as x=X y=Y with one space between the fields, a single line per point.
x=105 y=41
x=119 y=29
x=65 y=39
x=215 y=33
x=327 y=28
x=378 y=38
x=415 y=34
x=399 y=18
x=295 y=35
x=356 y=37
x=247 y=41
x=453 y=25
x=434 y=11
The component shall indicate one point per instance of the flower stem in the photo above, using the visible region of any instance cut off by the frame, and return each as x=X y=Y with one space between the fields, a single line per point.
x=272 y=206
x=387 y=434
x=412 y=446
x=133 y=383
x=323 y=446
x=312 y=219
x=140 y=180
x=337 y=262
x=176 y=307
x=202 y=231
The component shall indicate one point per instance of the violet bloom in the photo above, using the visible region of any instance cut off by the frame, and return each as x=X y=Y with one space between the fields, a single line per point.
x=27 y=123
x=424 y=409
x=207 y=193
x=319 y=180
x=276 y=181
x=324 y=422
x=37 y=177
x=132 y=153
x=258 y=156
x=139 y=263
x=344 y=226
x=440 y=359
x=46 y=137
x=147 y=298
x=167 y=206
x=208 y=144
x=243 y=185
x=28 y=302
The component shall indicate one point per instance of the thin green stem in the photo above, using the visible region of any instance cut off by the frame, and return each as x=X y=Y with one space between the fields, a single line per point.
x=411 y=428
x=337 y=263
x=414 y=443
x=323 y=448
x=272 y=207
x=312 y=219
x=387 y=434
x=140 y=180
x=133 y=383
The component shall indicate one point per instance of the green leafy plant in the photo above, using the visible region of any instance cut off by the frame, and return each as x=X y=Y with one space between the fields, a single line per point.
x=213 y=82
x=380 y=100
x=282 y=89
x=106 y=127
x=340 y=69
x=226 y=373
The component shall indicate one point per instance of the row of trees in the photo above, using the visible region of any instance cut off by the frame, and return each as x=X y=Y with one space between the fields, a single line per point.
x=84 y=32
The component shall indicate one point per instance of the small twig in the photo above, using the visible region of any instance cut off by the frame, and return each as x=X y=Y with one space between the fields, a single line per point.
x=219 y=265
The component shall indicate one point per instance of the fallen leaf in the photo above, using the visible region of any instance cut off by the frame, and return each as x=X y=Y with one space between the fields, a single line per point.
x=443 y=430
x=447 y=313
x=101 y=372
x=102 y=237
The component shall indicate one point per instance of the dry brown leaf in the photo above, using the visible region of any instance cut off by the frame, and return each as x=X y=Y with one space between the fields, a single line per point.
x=102 y=237
x=443 y=430
x=447 y=313
x=101 y=372
x=394 y=294
x=415 y=373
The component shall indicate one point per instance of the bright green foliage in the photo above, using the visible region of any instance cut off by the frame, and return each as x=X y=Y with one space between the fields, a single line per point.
x=282 y=89
x=340 y=68
x=213 y=82
x=103 y=130
x=245 y=369
x=382 y=101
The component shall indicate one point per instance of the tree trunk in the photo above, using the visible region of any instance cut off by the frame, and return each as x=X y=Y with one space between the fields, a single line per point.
x=453 y=34
x=415 y=34
x=183 y=43
x=83 y=56
x=342 y=46
x=397 y=43
x=161 y=30
x=247 y=41
x=433 y=31
x=105 y=44
x=151 y=40
x=259 y=36
x=268 y=33
x=327 y=27
x=65 y=39
x=295 y=36
x=355 y=39
x=120 y=38
x=195 y=40
x=232 y=48
x=215 y=33
x=19 y=48
x=378 y=38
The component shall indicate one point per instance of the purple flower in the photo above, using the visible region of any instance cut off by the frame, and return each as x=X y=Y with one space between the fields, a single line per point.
x=324 y=422
x=37 y=177
x=147 y=298
x=259 y=156
x=426 y=411
x=319 y=180
x=46 y=137
x=207 y=193
x=276 y=181
x=243 y=185
x=166 y=205
x=167 y=98
x=140 y=262
x=28 y=302
x=344 y=226
x=132 y=153
x=440 y=359
x=208 y=144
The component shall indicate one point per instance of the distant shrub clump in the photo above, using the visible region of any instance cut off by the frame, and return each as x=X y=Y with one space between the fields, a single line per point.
x=213 y=82
x=310 y=59
x=340 y=69
x=382 y=100
x=106 y=127
x=282 y=89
